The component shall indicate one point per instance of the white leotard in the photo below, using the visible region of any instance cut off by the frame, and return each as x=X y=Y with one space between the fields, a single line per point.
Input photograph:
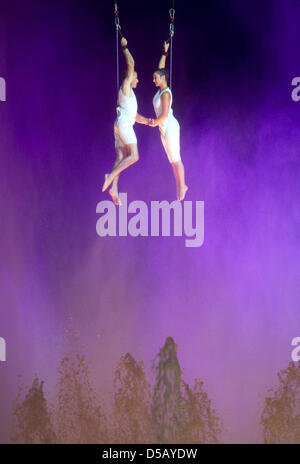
x=158 y=108
x=126 y=114
x=127 y=106
x=169 y=129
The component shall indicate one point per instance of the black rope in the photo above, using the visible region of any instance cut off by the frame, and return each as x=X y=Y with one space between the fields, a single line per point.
x=118 y=31
x=170 y=39
x=172 y=20
x=117 y=20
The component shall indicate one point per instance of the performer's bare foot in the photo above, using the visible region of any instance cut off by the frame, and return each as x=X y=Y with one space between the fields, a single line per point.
x=182 y=193
x=115 y=196
x=107 y=182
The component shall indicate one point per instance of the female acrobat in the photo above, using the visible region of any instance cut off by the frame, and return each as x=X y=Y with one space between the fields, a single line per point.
x=168 y=124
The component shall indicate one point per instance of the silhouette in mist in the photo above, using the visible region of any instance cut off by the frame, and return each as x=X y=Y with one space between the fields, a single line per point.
x=281 y=415
x=170 y=413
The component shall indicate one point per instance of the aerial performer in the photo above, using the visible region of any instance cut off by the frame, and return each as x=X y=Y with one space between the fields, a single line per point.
x=127 y=115
x=168 y=125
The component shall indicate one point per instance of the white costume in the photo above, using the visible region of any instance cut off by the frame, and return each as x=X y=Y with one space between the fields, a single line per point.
x=126 y=114
x=169 y=129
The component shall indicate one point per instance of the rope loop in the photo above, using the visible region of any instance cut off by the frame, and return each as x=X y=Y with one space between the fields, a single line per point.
x=172 y=14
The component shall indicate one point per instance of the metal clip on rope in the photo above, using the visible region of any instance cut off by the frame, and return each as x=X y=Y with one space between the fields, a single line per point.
x=172 y=14
x=172 y=18
x=118 y=30
x=117 y=20
x=171 y=30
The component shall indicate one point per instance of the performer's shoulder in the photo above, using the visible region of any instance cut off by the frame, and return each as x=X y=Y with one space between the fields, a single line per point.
x=166 y=90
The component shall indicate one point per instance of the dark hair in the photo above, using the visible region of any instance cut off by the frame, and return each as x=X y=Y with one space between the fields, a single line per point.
x=163 y=72
x=124 y=74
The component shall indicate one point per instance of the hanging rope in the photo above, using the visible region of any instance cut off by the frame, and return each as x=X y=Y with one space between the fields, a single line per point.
x=118 y=31
x=170 y=39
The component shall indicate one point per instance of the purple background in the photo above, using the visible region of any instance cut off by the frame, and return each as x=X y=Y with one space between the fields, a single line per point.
x=232 y=305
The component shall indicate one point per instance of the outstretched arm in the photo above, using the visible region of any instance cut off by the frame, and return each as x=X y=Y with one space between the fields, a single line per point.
x=141 y=119
x=162 y=61
x=130 y=67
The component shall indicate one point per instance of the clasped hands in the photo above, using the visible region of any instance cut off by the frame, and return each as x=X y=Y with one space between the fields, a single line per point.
x=152 y=122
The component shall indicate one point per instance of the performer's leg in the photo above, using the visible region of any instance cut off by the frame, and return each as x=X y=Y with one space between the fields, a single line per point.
x=178 y=170
x=171 y=143
x=175 y=172
x=113 y=191
x=132 y=157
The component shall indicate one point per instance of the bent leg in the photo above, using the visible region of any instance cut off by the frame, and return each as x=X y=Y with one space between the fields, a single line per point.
x=113 y=191
x=132 y=157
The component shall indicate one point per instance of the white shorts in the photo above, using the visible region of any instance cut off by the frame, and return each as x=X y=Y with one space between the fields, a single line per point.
x=171 y=140
x=123 y=132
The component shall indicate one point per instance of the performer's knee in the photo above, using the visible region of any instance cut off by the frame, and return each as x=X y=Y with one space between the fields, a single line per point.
x=135 y=157
x=134 y=154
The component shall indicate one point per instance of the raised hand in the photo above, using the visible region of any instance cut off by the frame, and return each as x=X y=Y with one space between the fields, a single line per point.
x=124 y=42
x=166 y=46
